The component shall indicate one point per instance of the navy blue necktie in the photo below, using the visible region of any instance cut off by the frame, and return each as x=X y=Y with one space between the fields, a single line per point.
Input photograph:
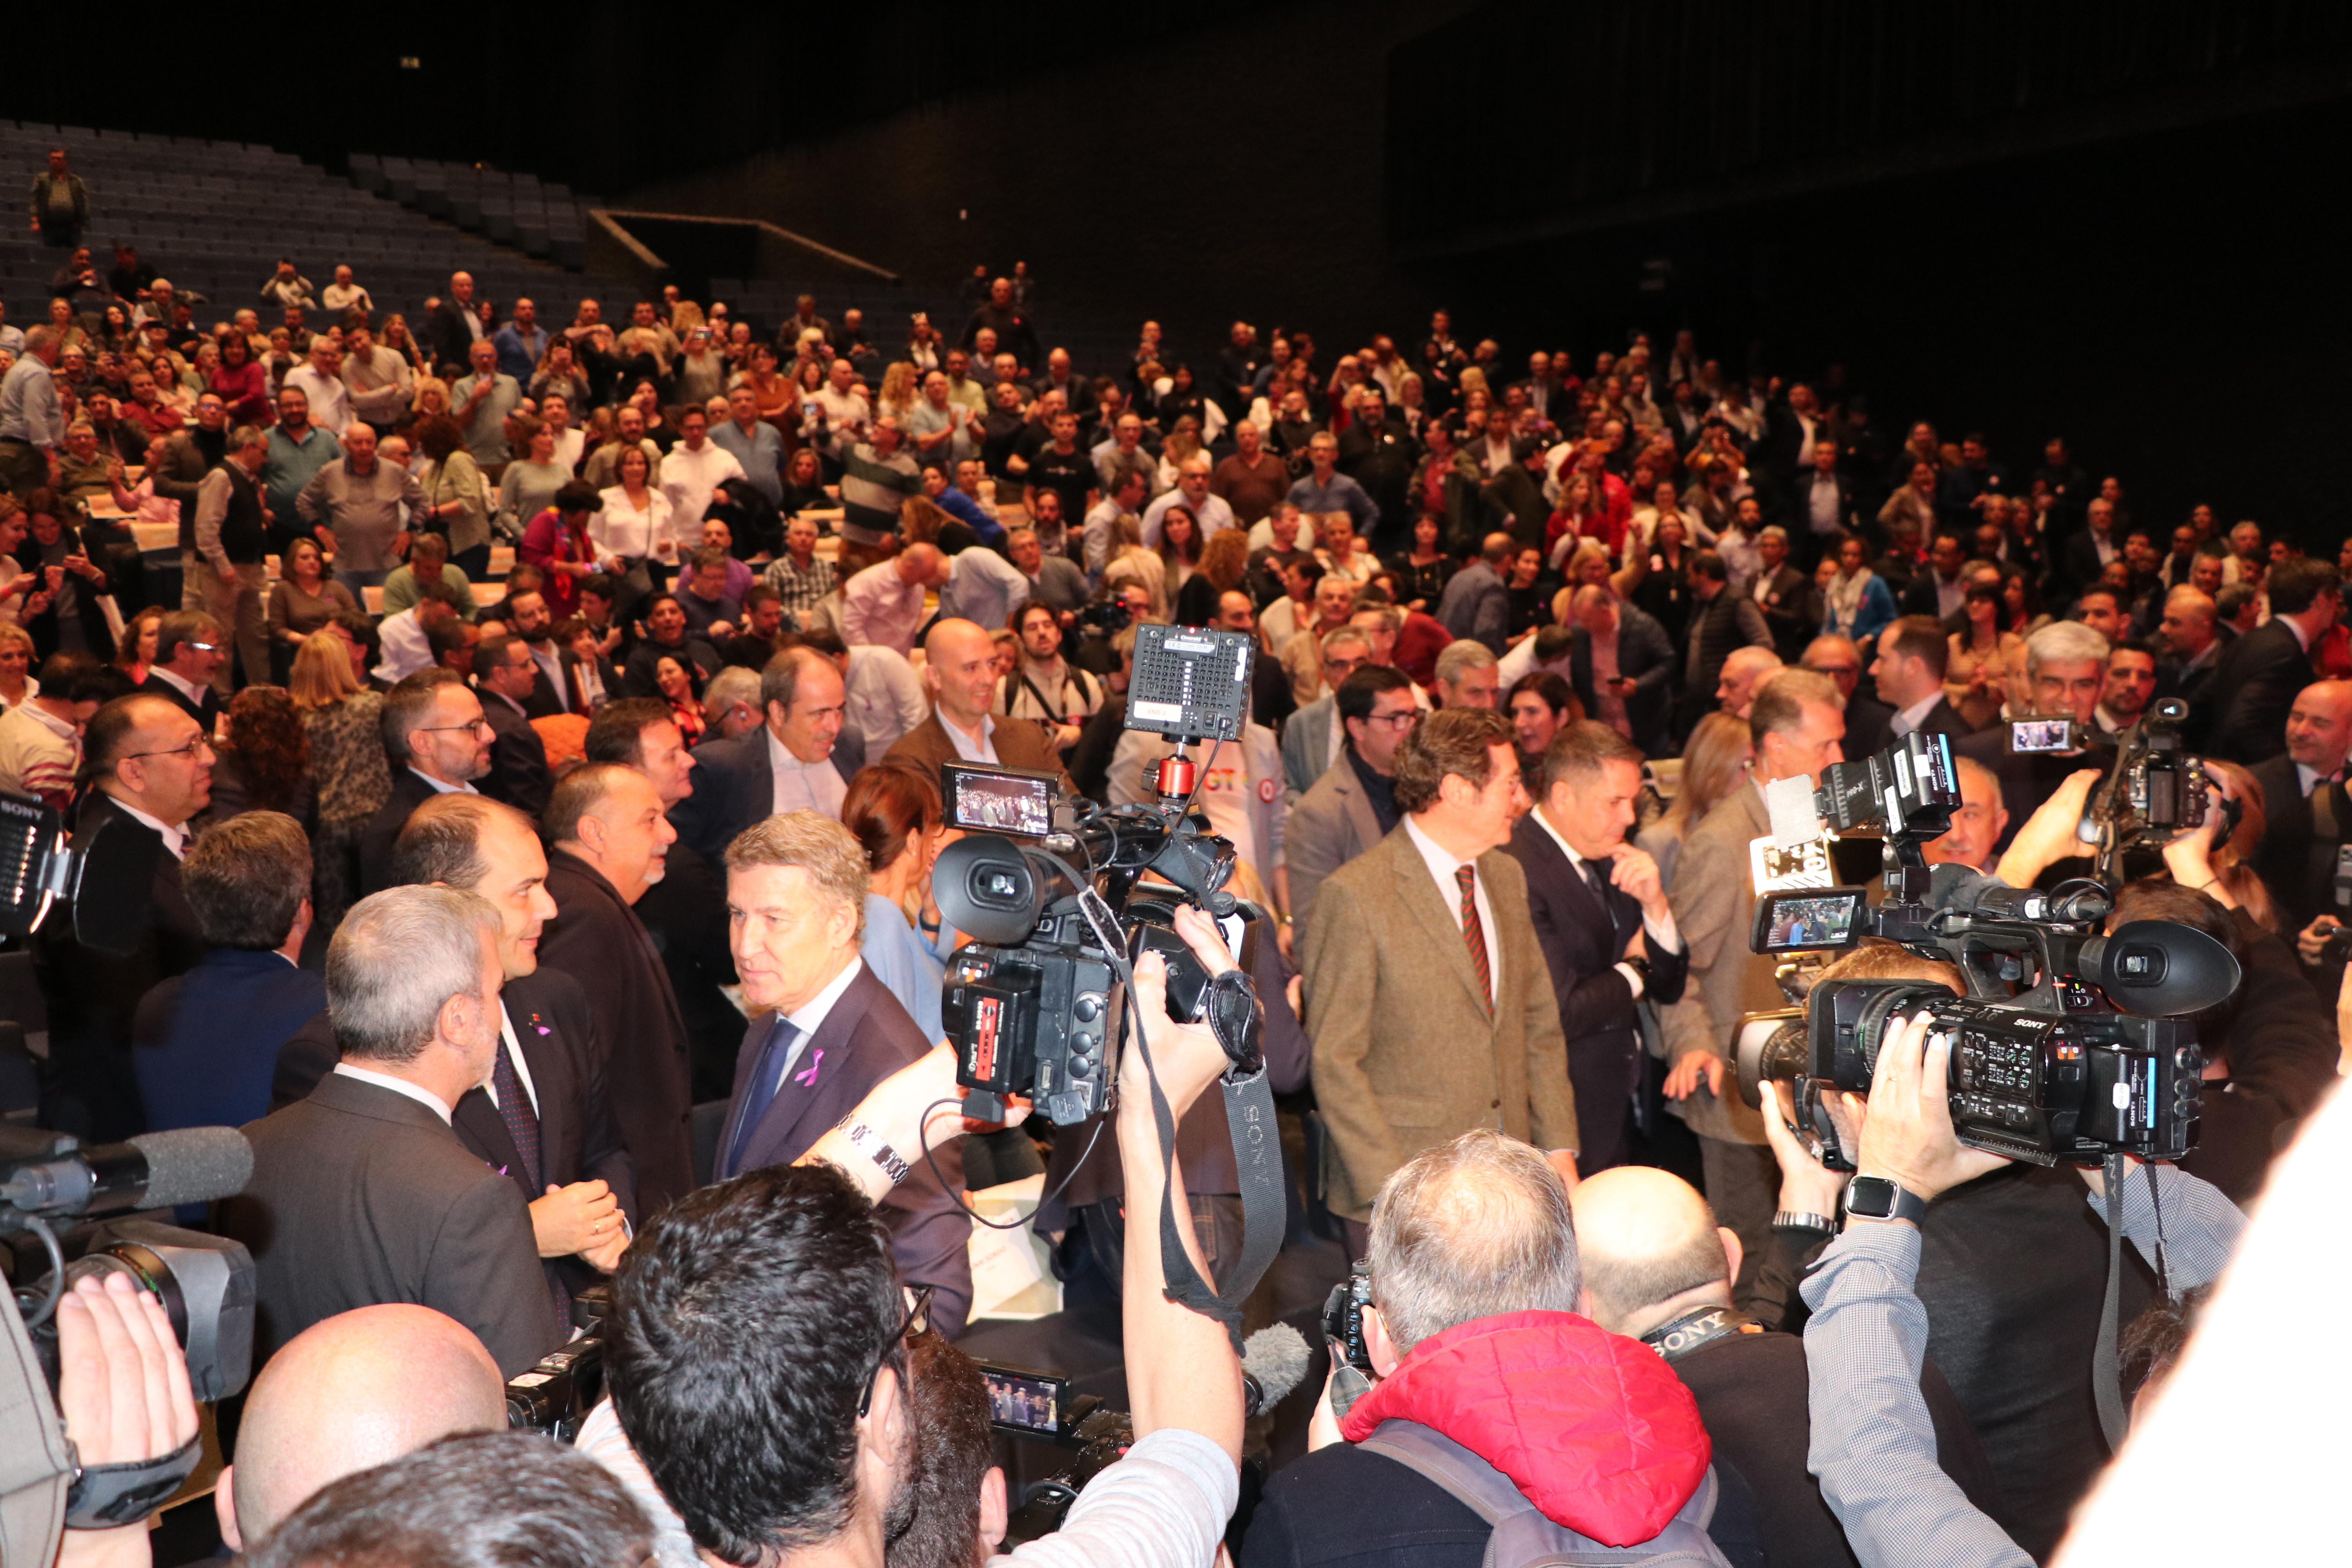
x=761 y=1092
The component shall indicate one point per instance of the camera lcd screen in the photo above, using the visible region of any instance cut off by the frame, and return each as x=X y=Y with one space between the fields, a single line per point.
x=1806 y=921
x=2041 y=735
x=1033 y=1403
x=998 y=800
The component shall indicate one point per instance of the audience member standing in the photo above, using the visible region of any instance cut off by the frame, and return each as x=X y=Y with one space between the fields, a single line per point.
x=1422 y=968
x=438 y=740
x=784 y=765
x=607 y=833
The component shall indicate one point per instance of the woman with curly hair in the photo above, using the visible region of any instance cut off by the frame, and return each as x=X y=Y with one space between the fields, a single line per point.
x=341 y=718
x=263 y=760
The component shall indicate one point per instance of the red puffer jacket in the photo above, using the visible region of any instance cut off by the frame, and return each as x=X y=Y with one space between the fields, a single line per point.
x=1595 y=1429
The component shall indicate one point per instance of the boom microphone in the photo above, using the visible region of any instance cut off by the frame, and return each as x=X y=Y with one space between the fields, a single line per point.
x=153 y=1171
x=1274 y=1362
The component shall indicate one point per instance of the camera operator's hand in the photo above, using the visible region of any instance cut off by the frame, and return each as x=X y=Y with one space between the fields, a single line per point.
x=1185 y=1057
x=2190 y=856
x=1692 y=1067
x=2311 y=941
x=122 y=1388
x=581 y=1217
x=1906 y=1135
x=1807 y=1186
x=2049 y=836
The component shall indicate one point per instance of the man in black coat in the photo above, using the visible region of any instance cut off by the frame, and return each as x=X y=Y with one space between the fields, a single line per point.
x=608 y=835
x=803 y=696
x=799 y=880
x=2066 y=669
x=1620 y=657
x=190 y=649
x=1791 y=605
x=365 y=1192
x=151 y=766
x=1657 y=1268
x=1909 y=675
x=1721 y=620
x=1380 y=454
x=1477 y=604
x=685 y=911
x=452 y=326
x=2262 y=671
x=1603 y=922
x=438 y=743
x=504 y=676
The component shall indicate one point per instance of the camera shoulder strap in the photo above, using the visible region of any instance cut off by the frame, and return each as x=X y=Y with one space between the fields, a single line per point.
x=2106 y=1370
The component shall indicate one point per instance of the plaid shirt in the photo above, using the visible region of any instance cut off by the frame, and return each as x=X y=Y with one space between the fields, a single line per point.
x=801 y=591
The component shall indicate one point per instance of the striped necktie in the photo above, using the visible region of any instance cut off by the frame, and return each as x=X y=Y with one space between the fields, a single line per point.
x=1474 y=934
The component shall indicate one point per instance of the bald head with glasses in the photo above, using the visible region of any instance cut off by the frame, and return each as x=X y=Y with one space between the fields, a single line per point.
x=147 y=753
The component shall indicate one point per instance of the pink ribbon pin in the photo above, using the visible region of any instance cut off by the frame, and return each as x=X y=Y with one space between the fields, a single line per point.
x=807 y=1077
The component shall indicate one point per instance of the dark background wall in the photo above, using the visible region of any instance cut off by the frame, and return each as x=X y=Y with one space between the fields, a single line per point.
x=2109 y=218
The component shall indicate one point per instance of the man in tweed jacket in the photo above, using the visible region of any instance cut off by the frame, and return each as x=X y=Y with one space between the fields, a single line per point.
x=1423 y=1028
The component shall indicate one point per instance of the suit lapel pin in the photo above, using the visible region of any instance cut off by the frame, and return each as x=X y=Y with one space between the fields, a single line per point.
x=806 y=1078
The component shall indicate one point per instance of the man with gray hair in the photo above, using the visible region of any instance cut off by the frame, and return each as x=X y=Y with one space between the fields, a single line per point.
x=32 y=420
x=359 y=506
x=2066 y=677
x=1483 y=1365
x=1468 y=675
x=362 y=1193
x=828 y=1031
x=1192 y=492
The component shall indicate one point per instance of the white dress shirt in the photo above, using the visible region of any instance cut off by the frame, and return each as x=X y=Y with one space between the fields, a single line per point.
x=971 y=751
x=804 y=786
x=514 y=1054
x=1443 y=865
x=399 y=1086
x=689 y=479
x=175 y=839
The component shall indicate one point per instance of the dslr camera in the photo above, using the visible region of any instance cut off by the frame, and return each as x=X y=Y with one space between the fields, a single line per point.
x=2070 y=1045
x=1044 y=885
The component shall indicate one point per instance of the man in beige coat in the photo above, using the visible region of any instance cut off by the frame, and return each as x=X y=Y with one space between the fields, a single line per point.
x=1426 y=1024
x=1797 y=722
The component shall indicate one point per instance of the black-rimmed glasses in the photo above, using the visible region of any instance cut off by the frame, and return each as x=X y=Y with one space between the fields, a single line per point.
x=918 y=1321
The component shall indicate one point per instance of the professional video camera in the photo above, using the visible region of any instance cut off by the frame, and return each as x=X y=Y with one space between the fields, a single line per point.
x=1029 y=999
x=2053 y=1072
x=206 y=1284
x=2153 y=795
x=1024 y=1401
x=553 y=1395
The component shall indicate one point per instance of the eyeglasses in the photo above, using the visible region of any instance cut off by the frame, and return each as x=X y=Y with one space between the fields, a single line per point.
x=203 y=646
x=200 y=743
x=918 y=1321
x=475 y=728
x=1395 y=722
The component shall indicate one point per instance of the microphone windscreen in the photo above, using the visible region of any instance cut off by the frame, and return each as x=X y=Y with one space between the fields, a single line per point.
x=1277 y=1358
x=194 y=1164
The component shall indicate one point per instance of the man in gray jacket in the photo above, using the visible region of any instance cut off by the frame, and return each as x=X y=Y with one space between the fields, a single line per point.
x=1353 y=806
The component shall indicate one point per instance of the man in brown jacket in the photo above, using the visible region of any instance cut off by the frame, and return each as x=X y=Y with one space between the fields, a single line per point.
x=959 y=670
x=1797 y=724
x=1428 y=999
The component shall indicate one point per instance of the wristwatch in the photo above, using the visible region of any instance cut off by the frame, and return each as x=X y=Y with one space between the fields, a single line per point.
x=1795 y=1219
x=1875 y=1197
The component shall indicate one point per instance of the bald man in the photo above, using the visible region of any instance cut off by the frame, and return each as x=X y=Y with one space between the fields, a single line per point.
x=348 y=1394
x=1658 y=1268
x=1743 y=668
x=1978 y=824
x=2308 y=809
x=960 y=673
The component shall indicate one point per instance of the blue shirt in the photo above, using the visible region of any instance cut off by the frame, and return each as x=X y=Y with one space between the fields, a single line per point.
x=291 y=465
x=206 y=1042
x=1342 y=494
x=904 y=966
x=964 y=508
x=761 y=453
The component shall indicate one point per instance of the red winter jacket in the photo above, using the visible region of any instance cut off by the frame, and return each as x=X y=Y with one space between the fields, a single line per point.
x=1595 y=1429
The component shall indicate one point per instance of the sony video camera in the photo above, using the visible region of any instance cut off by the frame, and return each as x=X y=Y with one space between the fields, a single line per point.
x=2154 y=794
x=2069 y=1046
x=1030 y=1001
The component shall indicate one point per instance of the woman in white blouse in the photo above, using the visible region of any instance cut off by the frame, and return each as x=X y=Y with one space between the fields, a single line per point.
x=634 y=528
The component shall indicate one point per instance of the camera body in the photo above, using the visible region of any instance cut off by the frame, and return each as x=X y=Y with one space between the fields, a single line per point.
x=1054 y=914
x=2095 y=1055
x=1027 y=1403
x=553 y=1395
x=1343 y=1317
x=2155 y=794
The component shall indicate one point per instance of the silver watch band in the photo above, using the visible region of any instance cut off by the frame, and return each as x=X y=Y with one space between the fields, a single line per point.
x=1796 y=1220
x=868 y=1142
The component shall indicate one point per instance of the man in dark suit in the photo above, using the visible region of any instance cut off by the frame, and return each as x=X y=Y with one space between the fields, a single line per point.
x=1909 y=673
x=363 y=1192
x=1622 y=663
x=190 y=649
x=784 y=765
x=1791 y=605
x=1820 y=506
x=205 y=1043
x=151 y=766
x=685 y=911
x=962 y=677
x=2306 y=809
x=1941 y=590
x=1477 y=604
x=1720 y=621
x=798 y=881
x=2261 y=673
x=608 y=835
x=1603 y=922
x=438 y=743
x=1865 y=716
x=504 y=675
x=451 y=327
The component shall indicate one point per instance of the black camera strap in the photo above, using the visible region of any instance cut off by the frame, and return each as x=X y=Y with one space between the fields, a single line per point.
x=2106 y=1370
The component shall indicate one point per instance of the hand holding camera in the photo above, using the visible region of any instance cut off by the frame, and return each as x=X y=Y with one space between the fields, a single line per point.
x=1905 y=1132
